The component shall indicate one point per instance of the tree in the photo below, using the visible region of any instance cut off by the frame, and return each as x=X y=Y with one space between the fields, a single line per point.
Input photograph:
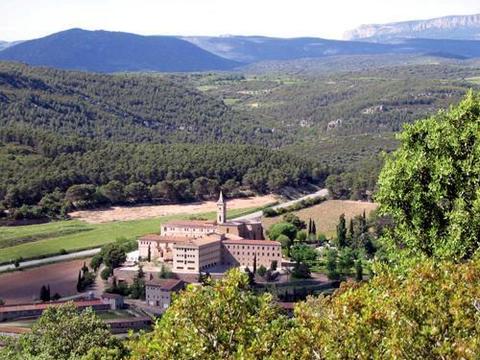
x=286 y=243
x=293 y=219
x=137 y=191
x=79 y=281
x=96 y=261
x=165 y=190
x=140 y=273
x=255 y=263
x=84 y=267
x=165 y=273
x=113 y=255
x=345 y=260
x=273 y=265
x=331 y=264
x=204 y=278
x=351 y=232
x=301 y=271
x=434 y=302
x=301 y=236
x=114 y=191
x=137 y=289
x=262 y=270
x=63 y=333
x=149 y=254
x=44 y=293
x=358 y=270
x=304 y=254
x=82 y=192
x=106 y=273
x=341 y=232
x=224 y=320
x=200 y=187
x=286 y=229
x=430 y=185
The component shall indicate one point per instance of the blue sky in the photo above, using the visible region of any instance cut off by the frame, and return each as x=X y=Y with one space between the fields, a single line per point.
x=26 y=19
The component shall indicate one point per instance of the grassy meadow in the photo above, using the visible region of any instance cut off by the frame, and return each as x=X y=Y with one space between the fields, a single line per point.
x=33 y=241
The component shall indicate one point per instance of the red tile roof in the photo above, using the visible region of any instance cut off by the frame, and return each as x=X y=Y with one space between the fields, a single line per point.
x=166 y=284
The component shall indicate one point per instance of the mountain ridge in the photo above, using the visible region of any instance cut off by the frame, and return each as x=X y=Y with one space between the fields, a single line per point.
x=454 y=27
x=105 y=51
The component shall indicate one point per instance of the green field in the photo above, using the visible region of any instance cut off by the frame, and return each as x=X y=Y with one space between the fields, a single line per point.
x=35 y=241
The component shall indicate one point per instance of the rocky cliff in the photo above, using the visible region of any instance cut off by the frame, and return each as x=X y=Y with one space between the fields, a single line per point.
x=450 y=27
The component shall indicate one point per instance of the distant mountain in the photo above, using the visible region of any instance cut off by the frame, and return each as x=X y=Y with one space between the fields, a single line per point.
x=6 y=44
x=103 y=51
x=251 y=49
x=259 y=48
x=450 y=27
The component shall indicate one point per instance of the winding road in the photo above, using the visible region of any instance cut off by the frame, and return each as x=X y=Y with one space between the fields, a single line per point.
x=86 y=253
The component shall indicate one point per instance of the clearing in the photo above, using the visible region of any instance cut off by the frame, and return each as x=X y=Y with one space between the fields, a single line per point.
x=327 y=213
x=33 y=241
x=122 y=213
x=24 y=286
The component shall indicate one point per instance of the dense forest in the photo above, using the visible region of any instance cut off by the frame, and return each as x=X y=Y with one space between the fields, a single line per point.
x=42 y=169
x=130 y=138
x=128 y=108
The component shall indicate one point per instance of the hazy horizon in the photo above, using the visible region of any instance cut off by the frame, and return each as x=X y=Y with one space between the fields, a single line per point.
x=25 y=19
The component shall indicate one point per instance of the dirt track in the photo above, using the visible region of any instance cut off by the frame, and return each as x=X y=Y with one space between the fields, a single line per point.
x=122 y=213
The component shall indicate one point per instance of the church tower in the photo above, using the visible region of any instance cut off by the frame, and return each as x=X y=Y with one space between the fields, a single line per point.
x=221 y=210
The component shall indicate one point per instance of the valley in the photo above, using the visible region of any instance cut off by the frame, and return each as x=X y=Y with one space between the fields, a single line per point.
x=285 y=196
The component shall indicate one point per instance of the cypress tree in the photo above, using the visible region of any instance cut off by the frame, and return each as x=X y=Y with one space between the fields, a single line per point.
x=358 y=271
x=43 y=293
x=341 y=232
x=314 y=228
x=351 y=232
x=79 y=281
x=48 y=293
x=149 y=256
x=254 y=263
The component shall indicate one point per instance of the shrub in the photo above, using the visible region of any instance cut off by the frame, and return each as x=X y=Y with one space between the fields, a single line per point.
x=262 y=271
x=428 y=312
x=106 y=273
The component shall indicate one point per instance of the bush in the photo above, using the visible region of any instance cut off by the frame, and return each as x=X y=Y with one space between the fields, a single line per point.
x=286 y=229
x=270 y=212
x=427 y=312
x=262 y=271
x=273 y=265
x=106 y=273
x=17 y=261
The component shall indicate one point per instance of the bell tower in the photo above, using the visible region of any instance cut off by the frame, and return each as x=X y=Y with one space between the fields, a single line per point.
x=221 y=210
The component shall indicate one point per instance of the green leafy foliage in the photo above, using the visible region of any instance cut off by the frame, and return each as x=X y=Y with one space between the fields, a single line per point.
x=428 y=313
x=430 y=185
x=62 y=333
x=222 y=320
